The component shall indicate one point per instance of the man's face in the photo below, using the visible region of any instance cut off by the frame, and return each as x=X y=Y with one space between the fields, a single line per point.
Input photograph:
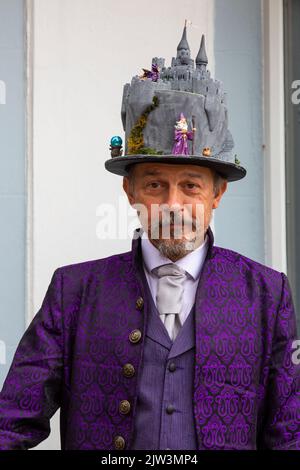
x=183 y=194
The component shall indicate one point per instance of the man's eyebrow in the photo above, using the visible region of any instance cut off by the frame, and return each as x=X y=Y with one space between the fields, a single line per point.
x=151 y=173
x=193 y=175
x=186 y=173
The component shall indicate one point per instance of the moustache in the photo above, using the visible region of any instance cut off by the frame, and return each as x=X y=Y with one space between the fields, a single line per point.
x=176 y=221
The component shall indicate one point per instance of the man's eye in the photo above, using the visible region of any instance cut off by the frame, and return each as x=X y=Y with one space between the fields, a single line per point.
x=192 y=185
x=153 y=184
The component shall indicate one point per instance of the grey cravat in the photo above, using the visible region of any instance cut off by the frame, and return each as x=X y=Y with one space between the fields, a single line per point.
x=169 y=296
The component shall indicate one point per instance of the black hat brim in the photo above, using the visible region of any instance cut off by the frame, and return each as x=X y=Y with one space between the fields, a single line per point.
x=231 y=171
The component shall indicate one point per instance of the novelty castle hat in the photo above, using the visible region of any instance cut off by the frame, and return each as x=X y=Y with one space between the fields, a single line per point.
x=176 y=114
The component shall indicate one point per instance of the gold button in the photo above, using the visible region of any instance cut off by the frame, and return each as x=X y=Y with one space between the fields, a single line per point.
x=124 y=407
x=128 y=370
x=135 y=336
x=119 y=442
x=139 y=303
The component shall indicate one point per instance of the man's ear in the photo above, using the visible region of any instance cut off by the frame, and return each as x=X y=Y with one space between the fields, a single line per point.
x=217 y=198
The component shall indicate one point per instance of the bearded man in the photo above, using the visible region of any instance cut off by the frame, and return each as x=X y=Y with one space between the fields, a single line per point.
x=177 y=343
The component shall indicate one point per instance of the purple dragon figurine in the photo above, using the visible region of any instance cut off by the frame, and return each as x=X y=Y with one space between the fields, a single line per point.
x=153 y=73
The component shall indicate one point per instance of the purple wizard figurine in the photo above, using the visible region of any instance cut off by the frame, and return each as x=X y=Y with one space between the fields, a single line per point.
x=182 y=135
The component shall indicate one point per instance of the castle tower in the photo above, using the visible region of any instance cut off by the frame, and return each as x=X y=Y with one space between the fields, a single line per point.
x=183 y=50
x=201 y=59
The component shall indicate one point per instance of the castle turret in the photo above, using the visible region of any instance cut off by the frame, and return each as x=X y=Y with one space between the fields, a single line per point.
x=183 y=42
x=183 y=50
x=201 y=59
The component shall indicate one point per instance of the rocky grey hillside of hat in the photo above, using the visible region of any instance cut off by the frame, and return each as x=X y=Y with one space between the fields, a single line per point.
x=184 y=87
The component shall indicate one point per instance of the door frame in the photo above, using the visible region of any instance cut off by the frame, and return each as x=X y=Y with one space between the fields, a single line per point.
x=274 y=134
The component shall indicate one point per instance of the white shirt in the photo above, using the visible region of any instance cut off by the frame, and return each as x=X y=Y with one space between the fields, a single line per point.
x=192 y=263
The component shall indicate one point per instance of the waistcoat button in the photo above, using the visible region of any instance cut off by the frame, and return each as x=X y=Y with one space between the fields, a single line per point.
x=135 y=336
x=119 y=442
x=124 y=407
x=172 y=366
x=170 y=409
x=128 y=370
x=139 y=303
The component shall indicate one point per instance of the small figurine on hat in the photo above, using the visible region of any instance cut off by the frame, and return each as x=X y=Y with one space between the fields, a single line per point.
x=182 y=135
x=206 y=152
x=153 y=73
x=236 y=160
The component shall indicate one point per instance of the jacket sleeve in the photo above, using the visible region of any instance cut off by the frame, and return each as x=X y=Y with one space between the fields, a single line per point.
x=31 y=391
x=282 y=424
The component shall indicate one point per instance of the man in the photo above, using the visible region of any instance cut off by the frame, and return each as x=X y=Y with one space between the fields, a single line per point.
x=177 y=343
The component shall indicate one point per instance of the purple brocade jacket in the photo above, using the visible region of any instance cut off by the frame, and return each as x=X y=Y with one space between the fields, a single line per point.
x=83 y=352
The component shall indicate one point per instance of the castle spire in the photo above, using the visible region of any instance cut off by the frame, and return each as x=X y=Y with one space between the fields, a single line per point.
x=183 y=42
x=201 y=58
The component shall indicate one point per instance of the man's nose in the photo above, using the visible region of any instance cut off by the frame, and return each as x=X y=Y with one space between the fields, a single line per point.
x=173 y=198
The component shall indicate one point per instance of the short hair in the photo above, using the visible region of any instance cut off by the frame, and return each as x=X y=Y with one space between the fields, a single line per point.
x=218 y=179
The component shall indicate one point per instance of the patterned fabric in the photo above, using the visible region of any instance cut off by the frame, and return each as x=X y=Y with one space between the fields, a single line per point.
x=83 y=353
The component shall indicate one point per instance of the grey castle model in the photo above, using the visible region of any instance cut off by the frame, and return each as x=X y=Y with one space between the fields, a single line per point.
x=184 y=87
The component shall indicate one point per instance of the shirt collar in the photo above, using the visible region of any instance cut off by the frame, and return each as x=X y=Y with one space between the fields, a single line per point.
x=191 y=262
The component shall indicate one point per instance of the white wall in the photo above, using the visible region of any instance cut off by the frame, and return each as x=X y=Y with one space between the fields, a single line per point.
x=82 y=53
x=12 y=181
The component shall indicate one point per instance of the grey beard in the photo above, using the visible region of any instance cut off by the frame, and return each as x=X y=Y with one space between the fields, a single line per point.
x=174 y=250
